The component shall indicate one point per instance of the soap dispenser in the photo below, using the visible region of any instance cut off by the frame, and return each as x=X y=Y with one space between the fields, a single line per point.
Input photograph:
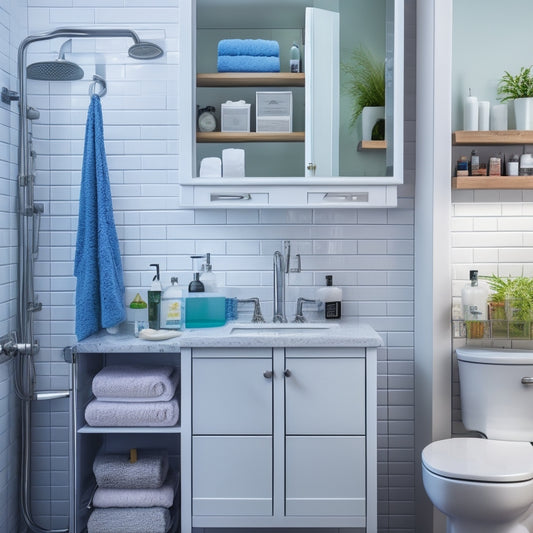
x=207 y=277
x=196 y=285
x=331 y=297
x=172 y=306
x=154 y=300
x=474 y=298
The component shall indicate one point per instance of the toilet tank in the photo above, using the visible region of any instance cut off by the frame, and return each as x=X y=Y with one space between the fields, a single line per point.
x=495 y=398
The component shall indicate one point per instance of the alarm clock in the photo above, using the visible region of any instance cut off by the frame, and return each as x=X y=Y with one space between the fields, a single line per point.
x=206 y=119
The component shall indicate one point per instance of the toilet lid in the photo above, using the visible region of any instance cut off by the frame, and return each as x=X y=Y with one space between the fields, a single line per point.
x=480 y=459
x=494 y=356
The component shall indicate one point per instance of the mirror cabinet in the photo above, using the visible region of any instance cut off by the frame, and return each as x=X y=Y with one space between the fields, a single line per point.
x=314 y=154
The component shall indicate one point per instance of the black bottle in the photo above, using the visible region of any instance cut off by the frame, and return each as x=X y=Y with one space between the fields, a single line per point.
x=196 y=285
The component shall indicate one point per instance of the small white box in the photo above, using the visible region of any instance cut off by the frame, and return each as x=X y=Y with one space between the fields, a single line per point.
x=235 y=117
x=273 y=111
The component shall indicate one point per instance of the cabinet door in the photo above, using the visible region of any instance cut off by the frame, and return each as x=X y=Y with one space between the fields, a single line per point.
x=232 y=476
x=231 y=396
x=325 y=476
x=325 y=396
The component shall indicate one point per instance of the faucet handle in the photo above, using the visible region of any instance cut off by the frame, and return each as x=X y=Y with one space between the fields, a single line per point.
x=299 y=309
x=258 y=315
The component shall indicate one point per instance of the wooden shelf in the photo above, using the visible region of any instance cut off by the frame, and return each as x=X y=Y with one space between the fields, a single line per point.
x=492 y=137
x=372 y=145
x=251 y=79
x=492 y=182
x=248 y=137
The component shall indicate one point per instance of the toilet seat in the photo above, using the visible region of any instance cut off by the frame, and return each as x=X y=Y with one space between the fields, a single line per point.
x=475 y=459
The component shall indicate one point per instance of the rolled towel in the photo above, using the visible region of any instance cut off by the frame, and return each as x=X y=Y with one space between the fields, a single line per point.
x=248 y=64
x=211 y=167
x=160 y=497
x=248 y=47
x=233 y=162
x=136 y=383
x=115 y=471
x=122 y=414
x=129 y=520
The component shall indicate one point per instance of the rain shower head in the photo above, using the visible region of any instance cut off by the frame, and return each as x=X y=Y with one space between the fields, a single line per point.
x=145 y=50
x=57 y=70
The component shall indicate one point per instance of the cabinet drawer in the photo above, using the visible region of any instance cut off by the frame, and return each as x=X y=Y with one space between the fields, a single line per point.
x=231 y=396
x=325 y=476
x=232 y=476
x=325 y=396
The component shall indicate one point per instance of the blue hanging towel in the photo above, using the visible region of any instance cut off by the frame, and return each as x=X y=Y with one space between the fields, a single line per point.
x=97 y=264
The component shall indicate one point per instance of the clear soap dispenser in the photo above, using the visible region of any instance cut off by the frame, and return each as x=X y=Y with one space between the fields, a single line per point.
x=474 y=298
x=207 y=277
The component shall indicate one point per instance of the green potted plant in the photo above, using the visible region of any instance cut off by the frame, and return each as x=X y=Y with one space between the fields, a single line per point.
x=519 y=89
x=511 y=303
x=366 y=87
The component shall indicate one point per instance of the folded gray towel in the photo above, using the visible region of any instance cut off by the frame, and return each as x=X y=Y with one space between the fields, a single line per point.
x=129 y=520
x=114 y=471
x=123 y=414
x=161 y=497
x=136 y=383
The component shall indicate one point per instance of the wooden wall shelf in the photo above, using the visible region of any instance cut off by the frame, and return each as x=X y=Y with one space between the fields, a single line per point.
x=372 y=145
x=492 y=182
x=248 y=137
x=492 y=137
x=251 y=79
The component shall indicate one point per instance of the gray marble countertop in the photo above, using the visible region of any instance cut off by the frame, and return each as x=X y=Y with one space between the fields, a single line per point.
x=342 y=333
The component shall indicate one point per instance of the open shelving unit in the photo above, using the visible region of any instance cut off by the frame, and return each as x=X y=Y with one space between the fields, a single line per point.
x=487 y=138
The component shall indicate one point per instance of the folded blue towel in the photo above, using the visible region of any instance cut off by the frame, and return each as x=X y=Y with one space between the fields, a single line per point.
x=248 y=64
x=248 y=47
x=97 y=264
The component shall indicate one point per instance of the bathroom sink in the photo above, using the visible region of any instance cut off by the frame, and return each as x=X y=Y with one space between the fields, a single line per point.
x=281 y=329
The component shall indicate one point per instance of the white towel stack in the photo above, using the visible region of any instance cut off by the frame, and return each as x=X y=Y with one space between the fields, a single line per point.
x=134 y=395
x=134 y=493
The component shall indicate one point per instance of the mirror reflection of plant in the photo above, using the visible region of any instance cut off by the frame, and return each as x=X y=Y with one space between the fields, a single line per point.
x=366 y=81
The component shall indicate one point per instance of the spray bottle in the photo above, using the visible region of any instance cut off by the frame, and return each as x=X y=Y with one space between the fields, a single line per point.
x=154 y=300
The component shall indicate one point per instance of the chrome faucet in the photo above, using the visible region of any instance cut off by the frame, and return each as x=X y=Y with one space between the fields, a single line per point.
x=281 y=268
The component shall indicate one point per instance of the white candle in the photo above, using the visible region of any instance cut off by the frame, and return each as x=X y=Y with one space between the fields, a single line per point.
x=471 y=113
x=498 y=117
x=484 y=115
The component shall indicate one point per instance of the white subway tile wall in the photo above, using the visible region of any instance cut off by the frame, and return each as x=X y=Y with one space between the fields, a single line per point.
x=369 y=252
x=12 y=30
x=491 y=233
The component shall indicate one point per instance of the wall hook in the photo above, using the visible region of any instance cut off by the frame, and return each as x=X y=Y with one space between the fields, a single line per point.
x=98 y=80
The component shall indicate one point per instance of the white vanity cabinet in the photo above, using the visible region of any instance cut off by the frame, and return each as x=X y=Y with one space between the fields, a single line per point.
x=283 y=437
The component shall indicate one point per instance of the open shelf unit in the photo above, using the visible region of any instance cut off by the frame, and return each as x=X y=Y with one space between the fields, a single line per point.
x=487 y=138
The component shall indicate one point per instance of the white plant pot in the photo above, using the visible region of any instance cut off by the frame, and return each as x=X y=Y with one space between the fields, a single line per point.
x=370 y=116
x=523 y=112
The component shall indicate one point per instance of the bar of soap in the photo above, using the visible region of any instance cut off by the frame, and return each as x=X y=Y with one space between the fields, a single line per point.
x=158 y=334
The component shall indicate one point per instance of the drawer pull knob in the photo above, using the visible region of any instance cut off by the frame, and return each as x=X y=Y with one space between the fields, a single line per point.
x=527 y=381
x=268 y=374
x=287 y=373
x=237 y=197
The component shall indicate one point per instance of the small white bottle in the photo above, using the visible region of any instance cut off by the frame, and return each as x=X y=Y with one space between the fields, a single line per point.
x=172 y=306
x=331 y=297
x=294 y=63
x=474 y=298
x=207 y=277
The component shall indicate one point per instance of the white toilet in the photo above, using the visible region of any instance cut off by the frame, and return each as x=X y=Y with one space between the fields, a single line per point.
x=486 y=485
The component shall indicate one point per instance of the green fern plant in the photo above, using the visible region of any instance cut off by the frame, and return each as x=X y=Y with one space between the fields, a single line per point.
x=519 y=86
x=365 y=81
